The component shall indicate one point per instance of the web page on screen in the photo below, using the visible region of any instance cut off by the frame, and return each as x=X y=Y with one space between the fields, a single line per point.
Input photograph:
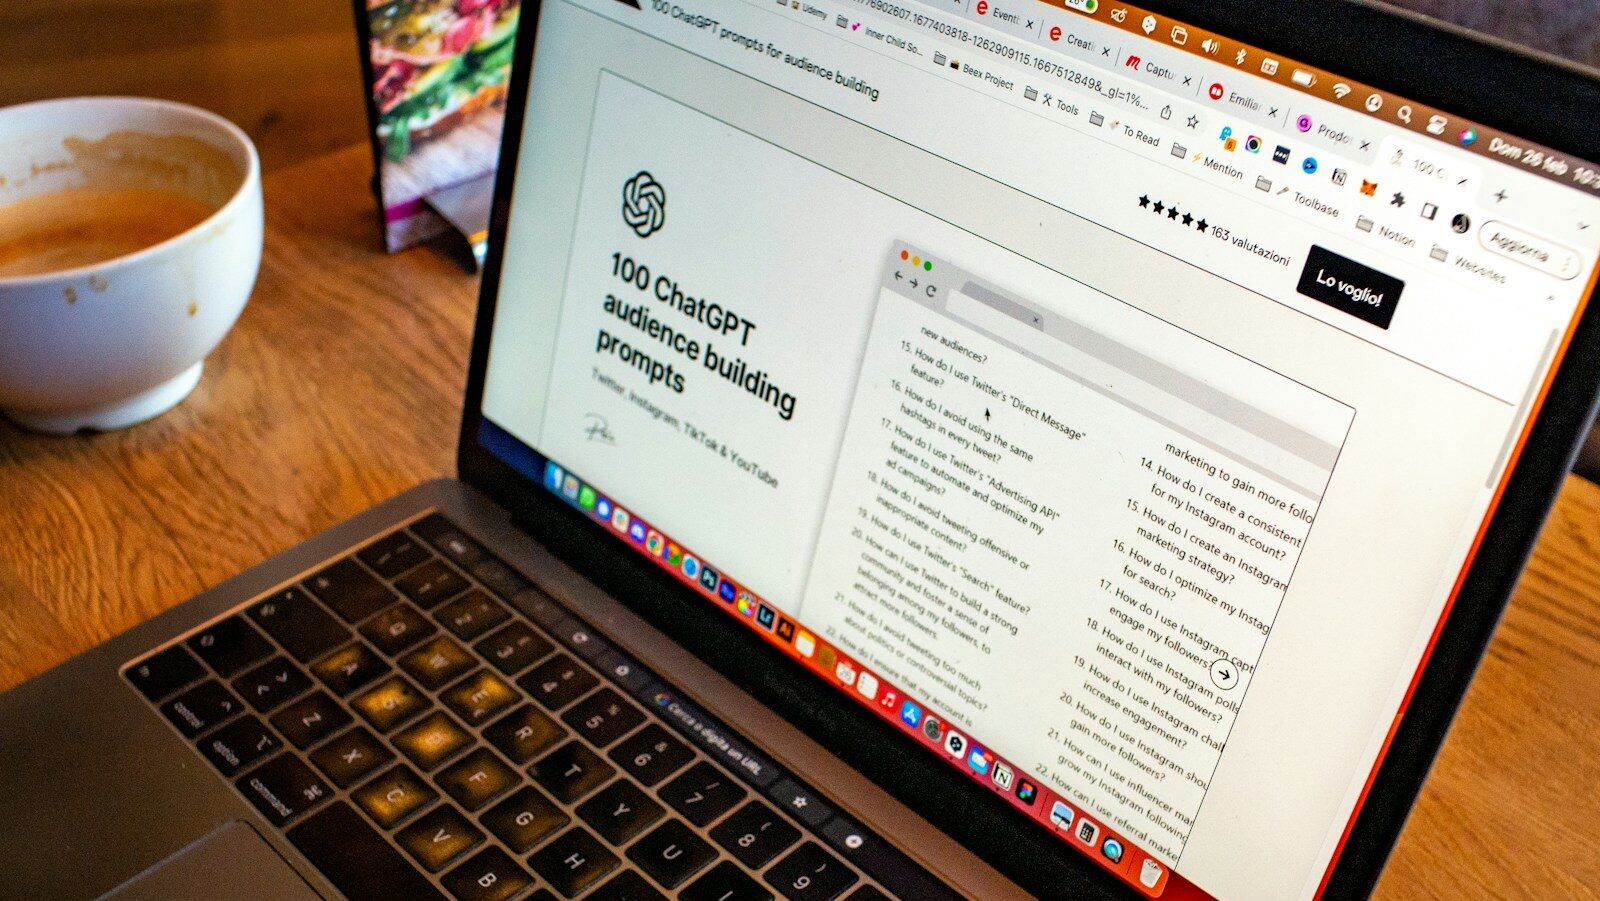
x=1106 y=410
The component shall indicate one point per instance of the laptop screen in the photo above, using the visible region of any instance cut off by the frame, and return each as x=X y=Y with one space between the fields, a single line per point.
x=1110 y=405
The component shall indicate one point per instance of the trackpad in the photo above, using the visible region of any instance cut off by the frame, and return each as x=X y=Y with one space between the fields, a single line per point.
x=234 y=862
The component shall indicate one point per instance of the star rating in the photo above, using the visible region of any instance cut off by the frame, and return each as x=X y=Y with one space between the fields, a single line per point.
x=1173 y=213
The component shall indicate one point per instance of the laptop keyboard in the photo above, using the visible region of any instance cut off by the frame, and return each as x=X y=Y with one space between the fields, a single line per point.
x=416 y=736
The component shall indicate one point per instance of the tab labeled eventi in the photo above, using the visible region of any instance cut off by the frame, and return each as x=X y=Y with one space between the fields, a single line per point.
x=1350 y=287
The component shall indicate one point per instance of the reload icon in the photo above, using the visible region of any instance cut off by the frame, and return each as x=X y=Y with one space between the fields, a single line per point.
x=644 y=204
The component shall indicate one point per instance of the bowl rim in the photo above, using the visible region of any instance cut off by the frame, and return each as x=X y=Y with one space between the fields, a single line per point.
x=252 y=176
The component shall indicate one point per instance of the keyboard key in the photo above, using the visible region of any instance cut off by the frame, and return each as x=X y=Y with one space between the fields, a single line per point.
x=349 y=668
x=524 y=819
x=725 y=882
x=165 y=673
x=628 y=886
x=514 y=648
x=868 y=893
x=588 y=645
x=620 y=812
x=631 y=676
x=238 y=744
x=702 y=793
x=574 y=862
x=433 y=740
x=500 y=578
x=299 y=624
x=356 y=859
x=200 y=708
x=490 y=875
x=479 y=697
x=755 y=834
x=524 y=733
x=810 y=874
x=539 y=607
x=558 y=682
x=651 y=754
x=272 y=684
x=571 y=771
x=671 y=853
x=350 y=757
x=471 y=615
x=394 y=554
x=310 y=719
x=431 y=584
x=800 y=802
x=391 y=703
x=394 y=796
x=350 y=591
x=603 y=717
x=283 y=788
x=439 y=837
x=437 y=662
x=449 y=540
x=230 y=646
x=397 y=628
x=476 y=779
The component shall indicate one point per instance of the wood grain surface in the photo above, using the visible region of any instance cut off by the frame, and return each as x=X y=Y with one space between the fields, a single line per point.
x=341 y=386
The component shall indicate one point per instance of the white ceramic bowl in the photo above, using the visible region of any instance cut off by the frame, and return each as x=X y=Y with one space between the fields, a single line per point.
x=115 y=343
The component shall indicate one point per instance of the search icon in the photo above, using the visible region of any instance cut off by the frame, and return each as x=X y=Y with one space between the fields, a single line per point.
x=1403 y=114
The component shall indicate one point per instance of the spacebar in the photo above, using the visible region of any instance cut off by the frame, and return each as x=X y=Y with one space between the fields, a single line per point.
x=356 y=859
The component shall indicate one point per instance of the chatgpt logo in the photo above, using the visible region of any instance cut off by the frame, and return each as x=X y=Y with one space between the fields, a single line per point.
x=644 y=204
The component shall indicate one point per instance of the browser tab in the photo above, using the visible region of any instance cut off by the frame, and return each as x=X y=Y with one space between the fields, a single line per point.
x=1159 y=69
x=1067 y=34
x=1018 y=17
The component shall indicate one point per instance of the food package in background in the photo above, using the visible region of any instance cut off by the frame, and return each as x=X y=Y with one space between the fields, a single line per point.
x=437 y=72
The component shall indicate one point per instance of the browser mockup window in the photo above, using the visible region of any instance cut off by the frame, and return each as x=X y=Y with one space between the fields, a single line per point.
x=1114 y=419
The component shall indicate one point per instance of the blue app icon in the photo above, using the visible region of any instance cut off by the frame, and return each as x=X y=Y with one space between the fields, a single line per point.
x=636 y=532
x=766 y=616
x=602 y=509
x=725 y=591
x=691 y=567
x=910 y=714
x=1061 y=815
x=1309 y=164
x=553 y=476
x=1112 y=849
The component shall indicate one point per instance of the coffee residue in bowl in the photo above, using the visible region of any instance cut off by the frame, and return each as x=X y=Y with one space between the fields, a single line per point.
x=135 y=189
x=81 y=226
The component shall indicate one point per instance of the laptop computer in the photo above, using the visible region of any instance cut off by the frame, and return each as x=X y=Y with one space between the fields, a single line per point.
x=975 y=448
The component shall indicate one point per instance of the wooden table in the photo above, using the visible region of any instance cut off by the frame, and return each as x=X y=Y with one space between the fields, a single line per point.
x=340 y=387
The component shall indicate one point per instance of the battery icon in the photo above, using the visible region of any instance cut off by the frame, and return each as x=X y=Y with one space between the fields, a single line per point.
x=1303 y=78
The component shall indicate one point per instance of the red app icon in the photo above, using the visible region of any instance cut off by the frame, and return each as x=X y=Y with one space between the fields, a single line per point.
x=983 y=7
x=1055 y=32
x=1216 y=90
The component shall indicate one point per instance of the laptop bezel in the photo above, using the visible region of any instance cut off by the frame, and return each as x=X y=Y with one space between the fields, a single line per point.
x=978 y=819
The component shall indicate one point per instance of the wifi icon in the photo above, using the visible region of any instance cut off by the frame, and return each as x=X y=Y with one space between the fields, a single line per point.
x=1341 y=89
